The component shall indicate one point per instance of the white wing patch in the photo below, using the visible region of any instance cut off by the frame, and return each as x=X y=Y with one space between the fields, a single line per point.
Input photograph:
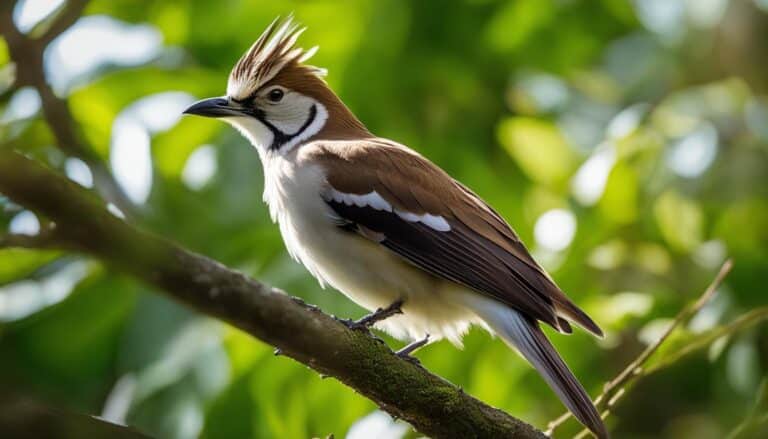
x=372 y=199
x=434 y=221
x=377 y=202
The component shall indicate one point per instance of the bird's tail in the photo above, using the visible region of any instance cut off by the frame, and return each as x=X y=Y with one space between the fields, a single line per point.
x=527 y=337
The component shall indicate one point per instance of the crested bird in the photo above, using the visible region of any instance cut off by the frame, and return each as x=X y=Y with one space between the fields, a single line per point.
x=387 y=227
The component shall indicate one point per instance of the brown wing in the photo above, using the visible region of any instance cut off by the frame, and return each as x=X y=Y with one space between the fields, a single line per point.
x=478 y=249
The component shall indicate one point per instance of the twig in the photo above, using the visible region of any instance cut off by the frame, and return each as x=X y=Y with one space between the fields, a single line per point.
x=65 y=17
x=45 y=238
x=757 y=418
x=635 y=368
x=743 y=321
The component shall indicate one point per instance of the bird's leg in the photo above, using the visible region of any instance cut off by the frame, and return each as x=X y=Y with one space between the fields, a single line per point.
x=380 y=314
x=405 y=352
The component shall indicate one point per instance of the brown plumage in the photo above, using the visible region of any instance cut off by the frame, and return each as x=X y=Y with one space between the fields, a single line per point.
x=273 y=51
x=381 y=223
x=342 y=124
x=488 y=245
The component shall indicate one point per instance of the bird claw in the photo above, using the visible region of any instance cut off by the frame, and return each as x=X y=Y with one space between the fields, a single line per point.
x=354 y=325
x=369 y=320
x=405 y=353
x=409 y=358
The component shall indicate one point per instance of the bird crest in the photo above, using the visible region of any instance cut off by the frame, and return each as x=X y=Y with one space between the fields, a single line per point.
x=272 y=52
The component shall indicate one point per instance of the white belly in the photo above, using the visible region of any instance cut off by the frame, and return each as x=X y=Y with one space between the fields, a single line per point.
x=363 y=270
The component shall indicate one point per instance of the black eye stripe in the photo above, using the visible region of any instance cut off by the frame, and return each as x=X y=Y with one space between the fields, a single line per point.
x=248 y=100
x=245 y=101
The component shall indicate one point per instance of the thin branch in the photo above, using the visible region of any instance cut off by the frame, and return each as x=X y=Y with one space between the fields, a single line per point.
x=27 y=54
x=405 y=390
x=757 y=420
x=744 y=321
x=44 y=239
x=64 y=18
x=24 y=417
x=635 y=368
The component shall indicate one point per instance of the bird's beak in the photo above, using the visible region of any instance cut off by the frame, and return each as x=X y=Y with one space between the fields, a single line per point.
x=215 y=107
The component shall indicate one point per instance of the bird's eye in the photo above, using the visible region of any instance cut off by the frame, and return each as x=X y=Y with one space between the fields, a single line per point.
x=275 y=95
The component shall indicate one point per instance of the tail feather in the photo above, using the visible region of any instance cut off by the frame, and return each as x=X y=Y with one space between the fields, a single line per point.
x=527 y=337
x=566 y=308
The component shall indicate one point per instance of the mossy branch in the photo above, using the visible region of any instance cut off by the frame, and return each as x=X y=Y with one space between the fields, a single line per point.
x=407 y=391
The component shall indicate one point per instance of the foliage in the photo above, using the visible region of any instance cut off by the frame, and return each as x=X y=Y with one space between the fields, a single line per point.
x=642 y=124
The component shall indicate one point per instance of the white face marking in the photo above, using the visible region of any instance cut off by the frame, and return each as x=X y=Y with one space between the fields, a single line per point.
x=377 y=202
x=296 y=117
x=256 y=132
x=297 y=126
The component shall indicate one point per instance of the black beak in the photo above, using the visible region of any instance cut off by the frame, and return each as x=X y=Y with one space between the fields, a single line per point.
x=214 y=107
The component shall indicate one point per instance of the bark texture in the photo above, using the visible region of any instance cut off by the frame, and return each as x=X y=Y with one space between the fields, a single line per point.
x=432 y=405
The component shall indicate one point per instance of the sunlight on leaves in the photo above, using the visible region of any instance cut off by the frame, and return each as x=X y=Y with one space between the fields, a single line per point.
x=652 y=331
x=653 y=258
x=742 y=366
x=619 y=202
x=23 y=298
x=538 y=147
x=680 y=221
x=18 y=262
x=377 y=425
x=517 y=21
x=609 y=256
x=242 y=351
x=588 y=184
x=618 y=307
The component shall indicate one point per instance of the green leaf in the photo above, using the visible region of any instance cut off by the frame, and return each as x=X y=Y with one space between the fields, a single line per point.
x=680 y=220
x=67 y=350
x=97 y=105
x=18 y=263
x=539 y=148
x=619 y=203
x=172 y=148
x=517 y=22
x=4 y=54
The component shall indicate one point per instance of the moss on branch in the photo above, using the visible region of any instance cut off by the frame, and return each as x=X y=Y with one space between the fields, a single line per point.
x=432 y=405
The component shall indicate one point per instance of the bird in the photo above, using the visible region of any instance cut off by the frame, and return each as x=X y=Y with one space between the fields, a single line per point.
x=384 y=225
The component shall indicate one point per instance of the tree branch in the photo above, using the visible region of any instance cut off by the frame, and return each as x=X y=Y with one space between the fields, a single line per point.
x=46 y=238
x=432 y=405
x=27 y=54
x=24 y=417
x=744 y=321
x=63 y=19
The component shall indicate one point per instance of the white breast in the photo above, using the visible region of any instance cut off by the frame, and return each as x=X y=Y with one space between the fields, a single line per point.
x=363 y=270
x=359 y=268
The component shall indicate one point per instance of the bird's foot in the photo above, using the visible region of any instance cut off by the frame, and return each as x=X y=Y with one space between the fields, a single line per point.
x=380 y=314
x=405 y=352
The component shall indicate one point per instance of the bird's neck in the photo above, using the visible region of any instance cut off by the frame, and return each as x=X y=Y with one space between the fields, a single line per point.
x=341 y=123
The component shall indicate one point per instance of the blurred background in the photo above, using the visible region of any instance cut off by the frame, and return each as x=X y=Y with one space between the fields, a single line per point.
x=626 y=141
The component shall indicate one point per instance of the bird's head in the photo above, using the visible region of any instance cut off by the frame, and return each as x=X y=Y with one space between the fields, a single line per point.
x=276 y=100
